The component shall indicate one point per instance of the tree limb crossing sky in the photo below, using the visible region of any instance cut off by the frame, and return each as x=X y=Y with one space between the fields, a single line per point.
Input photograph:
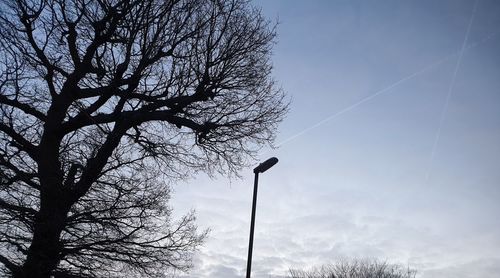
x=391 y=149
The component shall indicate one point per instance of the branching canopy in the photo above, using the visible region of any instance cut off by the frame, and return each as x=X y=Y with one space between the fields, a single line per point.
x=100 y=102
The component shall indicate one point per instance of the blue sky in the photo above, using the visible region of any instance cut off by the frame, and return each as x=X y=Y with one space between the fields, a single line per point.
x=361 y=173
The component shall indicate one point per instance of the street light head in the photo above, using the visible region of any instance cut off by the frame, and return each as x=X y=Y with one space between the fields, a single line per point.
x=264 y=166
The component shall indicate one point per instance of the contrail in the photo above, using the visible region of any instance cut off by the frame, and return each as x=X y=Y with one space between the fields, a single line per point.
x=450 y=93
x=382 y=91
x=358 y=103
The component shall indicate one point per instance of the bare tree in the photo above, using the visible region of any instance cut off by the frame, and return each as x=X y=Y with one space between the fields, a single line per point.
x=356 y=269
x=102 y=101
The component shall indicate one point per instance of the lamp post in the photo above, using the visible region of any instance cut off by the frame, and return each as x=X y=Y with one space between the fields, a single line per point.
x=264 y=166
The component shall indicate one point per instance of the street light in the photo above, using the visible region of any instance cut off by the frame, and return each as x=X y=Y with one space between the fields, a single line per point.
x=264 y=166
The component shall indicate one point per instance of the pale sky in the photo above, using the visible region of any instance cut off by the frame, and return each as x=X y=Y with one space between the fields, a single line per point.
x=391 y=149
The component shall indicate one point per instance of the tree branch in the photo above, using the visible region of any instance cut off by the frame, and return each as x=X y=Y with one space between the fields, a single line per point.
x=23 y=107
x=25 y=145
x=8 y=264
x=17 y=208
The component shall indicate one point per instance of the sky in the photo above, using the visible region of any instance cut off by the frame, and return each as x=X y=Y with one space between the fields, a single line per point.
x=390 y=151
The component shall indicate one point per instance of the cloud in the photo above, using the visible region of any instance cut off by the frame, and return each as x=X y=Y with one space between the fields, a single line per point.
x=223 y=272
x=355 y=187
x=484 y=268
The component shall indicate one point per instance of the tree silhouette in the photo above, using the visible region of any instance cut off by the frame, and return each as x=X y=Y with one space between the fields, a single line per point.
x=101 y=102
x=355 y=269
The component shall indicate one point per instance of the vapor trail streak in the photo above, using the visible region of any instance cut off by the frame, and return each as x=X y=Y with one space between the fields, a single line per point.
x=449 y=94
x=358 y=103
x=423 y=70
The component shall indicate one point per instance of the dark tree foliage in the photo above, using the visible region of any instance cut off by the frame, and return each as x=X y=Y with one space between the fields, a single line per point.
x=102 y=101
x=356 y=269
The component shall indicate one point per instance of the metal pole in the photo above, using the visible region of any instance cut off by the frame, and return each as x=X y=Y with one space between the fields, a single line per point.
x=252 y=225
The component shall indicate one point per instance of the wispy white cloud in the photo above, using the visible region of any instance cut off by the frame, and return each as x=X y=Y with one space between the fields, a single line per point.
x=354 y=187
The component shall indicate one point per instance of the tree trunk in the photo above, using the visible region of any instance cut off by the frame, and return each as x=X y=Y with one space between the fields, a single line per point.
x=44 y=253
